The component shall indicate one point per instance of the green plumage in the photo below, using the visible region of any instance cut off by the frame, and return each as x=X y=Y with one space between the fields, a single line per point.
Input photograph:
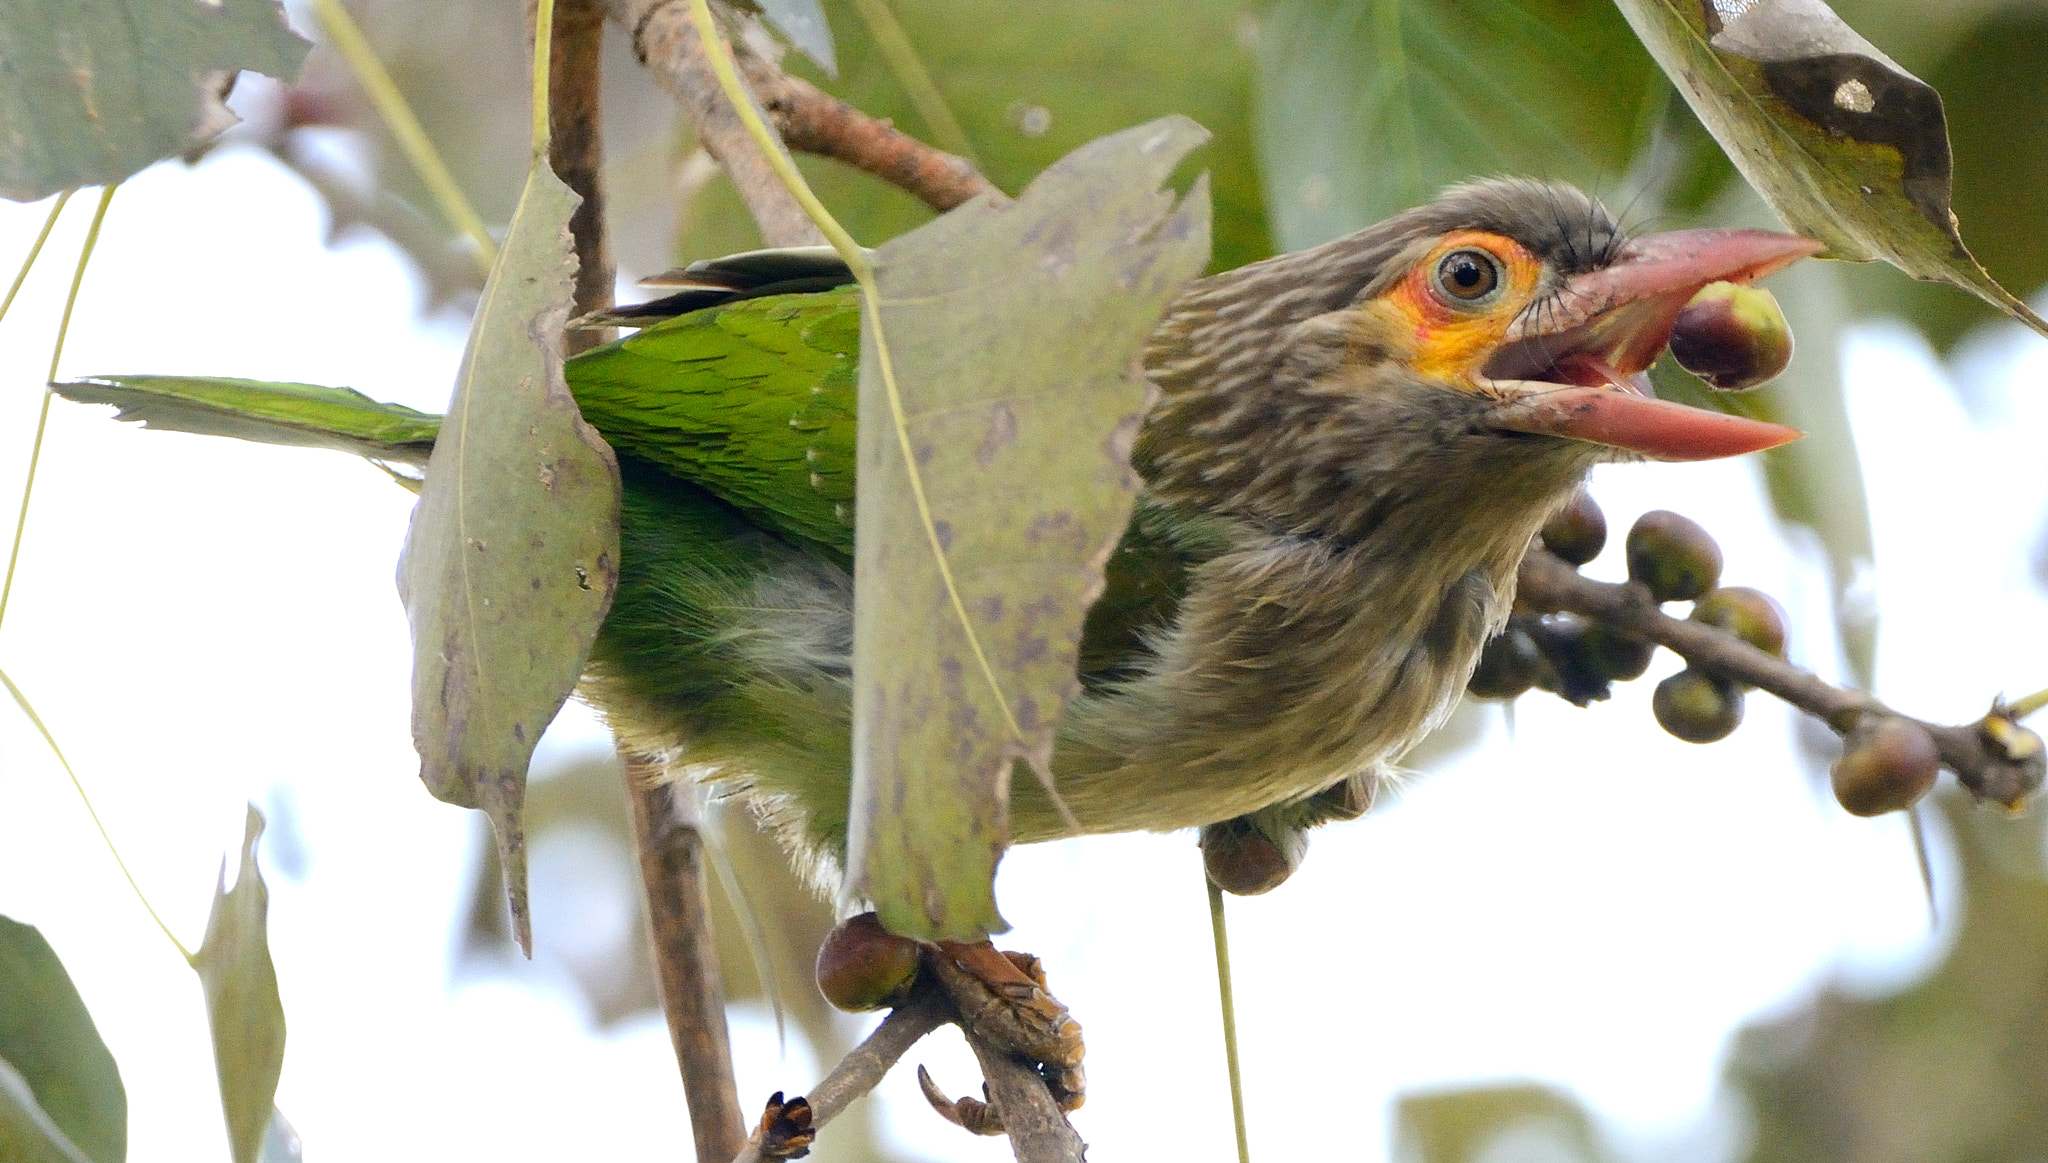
x=753 y=400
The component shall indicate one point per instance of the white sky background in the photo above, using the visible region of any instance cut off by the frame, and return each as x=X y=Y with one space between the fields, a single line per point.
x=1587 y=901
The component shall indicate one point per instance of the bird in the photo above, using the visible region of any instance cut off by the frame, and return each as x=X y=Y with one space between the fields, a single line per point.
x=1351 y=450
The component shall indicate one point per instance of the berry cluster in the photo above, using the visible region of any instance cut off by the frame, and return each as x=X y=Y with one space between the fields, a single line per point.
x=1888 y=762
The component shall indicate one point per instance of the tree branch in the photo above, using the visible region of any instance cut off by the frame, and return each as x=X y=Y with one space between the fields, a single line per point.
x=1994 y=758
x=1038 y=1130
x=686 y=958
x=814 y=121
x=666 y=42
x=865 y=1065
x=576 y=153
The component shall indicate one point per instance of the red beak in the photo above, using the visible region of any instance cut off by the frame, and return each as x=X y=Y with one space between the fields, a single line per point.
x=1577 y=365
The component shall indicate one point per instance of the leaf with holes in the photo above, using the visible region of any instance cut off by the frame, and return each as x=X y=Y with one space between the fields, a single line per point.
x=513 y=553
x=94 y=90
x=994 y=479
x=60 y=1092
x=1845 y=145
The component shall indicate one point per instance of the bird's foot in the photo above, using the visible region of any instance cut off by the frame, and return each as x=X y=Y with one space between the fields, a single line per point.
x=1003 y=999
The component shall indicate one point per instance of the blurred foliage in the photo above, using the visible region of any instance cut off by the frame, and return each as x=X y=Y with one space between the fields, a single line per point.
x=1367 y=107
x=1955 y=1067
x=1522 y=1122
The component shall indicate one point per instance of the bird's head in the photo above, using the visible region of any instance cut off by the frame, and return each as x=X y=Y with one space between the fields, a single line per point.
x=1475 y=355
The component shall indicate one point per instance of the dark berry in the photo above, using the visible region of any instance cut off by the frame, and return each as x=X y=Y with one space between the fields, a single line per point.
x=1508 y=665
x=1242 y=859
x=1577 y=532
x=1733 y=337
x=862 y=966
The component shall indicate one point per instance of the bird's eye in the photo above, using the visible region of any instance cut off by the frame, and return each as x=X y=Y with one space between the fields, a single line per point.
x=1468 y=277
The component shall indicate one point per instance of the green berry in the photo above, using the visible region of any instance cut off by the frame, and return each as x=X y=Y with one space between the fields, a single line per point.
x=1886 y=766
x=862 y=966
x=1508 y=665
x=1750 y=615
x=1577 y=532
x=1673 y=556
x=1733 y=337
x=1697 y=707
x=1242 y=859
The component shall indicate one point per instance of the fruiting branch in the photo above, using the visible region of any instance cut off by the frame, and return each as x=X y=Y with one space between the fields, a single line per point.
x=1995 y=758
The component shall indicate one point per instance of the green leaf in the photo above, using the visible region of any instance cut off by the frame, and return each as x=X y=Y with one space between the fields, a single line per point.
x=1368 y=107
x=1014 y=336
x=1029 y=84
x=27 y=1133
x=49 y=1045
x=513 y=553
x=242 y=1006
x=1845 y=145
x=94 y=90
x=295 y=415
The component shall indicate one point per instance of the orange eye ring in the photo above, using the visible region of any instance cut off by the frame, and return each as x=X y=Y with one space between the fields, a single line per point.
x=1469 y=278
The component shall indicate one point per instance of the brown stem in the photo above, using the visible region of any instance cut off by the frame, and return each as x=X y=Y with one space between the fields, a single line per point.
x=576 y=152
x=686 y=959
x=1038 y=1130
x=814 y=121
x=1992 y=757
x=665 y=40
x=808 y=118
x=864 y=1065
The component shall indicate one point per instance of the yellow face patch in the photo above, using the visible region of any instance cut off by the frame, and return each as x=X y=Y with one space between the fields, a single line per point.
x=1459 y=301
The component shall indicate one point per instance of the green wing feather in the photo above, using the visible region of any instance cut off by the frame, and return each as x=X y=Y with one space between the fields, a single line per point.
x=752 y=400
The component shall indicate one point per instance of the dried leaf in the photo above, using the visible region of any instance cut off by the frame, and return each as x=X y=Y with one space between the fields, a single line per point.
x=49 y=1044
x=242 y=1006
x=1845 y=145
x=1014 y=335
x=94 y=90
x=513 y=553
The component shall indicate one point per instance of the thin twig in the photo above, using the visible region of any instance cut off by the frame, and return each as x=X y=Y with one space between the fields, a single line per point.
x=1038 y=1130
x=666 y=41
x=1993 y=758
x=814 y=121
x=686 y=959
x=807 y=118
x=865 y=1065
x=576 y=154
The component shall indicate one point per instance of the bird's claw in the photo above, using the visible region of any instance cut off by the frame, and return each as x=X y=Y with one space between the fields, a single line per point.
x=1003 y=999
